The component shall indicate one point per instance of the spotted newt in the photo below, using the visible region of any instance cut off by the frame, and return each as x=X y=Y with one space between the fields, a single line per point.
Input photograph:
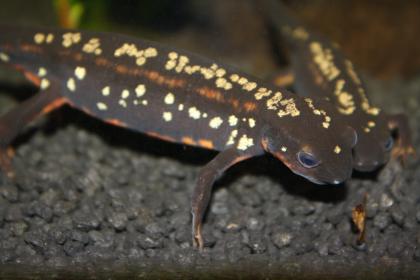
x=318 y=68
x=178 y=97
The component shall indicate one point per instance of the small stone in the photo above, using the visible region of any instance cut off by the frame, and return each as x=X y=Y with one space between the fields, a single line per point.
x=303 y=208
x=86 y=221
x=18 y=228
x=254 y=224
x=79 y=236
x=71 y=248
x=37 y=239
x=118 y=220
x=146 y=242
x=281 y=239
x=59 y=234
x=396 y=247
x=397 y=215
x=9 y=192
x=381 y=221
x=154 y=231
x=13 y=213
x=386 y=201
x=102 y=238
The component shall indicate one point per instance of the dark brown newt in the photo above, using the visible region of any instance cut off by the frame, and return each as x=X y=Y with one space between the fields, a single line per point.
x=319 y=69
x=175 y=96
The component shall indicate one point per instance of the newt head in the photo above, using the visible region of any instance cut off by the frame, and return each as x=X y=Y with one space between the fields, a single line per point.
x=320 y=153
x=374 y=144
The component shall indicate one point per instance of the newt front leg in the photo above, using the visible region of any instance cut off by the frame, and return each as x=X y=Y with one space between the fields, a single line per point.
x=13 y=121
x=208 y=175
x=404 y=147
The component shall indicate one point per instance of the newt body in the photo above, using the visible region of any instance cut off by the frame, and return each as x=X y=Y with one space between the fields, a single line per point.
x=175 y=96
x=320 y=69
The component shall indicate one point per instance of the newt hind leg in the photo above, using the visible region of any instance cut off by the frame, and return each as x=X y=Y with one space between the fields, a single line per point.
x=12 y=122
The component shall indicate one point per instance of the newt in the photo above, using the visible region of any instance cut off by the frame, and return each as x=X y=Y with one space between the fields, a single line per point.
x=318 y=68
x=178 y=97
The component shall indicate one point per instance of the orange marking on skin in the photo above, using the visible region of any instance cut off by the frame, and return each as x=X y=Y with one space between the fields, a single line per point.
x=54 y=105
x=100 y=61
x=78 y=56
x=234 y=102
x=31 y=48
x=161 y=137
x=206 y=143
x=32 y=78
x=121 y=69
x=116 y=122
x=250 y=106
x=162 y=80
x=284 y=80
x=188 y=141
x=153 y=76
x=211 y=94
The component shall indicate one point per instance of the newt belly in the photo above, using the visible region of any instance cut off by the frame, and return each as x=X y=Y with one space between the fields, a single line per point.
x=176 y=96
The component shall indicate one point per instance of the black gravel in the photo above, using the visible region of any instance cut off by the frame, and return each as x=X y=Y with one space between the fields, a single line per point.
x=95 y=197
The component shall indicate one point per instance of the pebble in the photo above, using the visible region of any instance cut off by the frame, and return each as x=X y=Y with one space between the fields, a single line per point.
x=381 y=221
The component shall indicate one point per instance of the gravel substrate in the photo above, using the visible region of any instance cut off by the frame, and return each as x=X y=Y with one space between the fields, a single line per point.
x=91 y=198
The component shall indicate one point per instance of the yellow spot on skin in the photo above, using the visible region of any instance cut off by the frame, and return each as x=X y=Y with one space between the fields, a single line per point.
x=283 y=149
x=337 y=149
x=140 y=90
x=93 y=46
x=367 y=129
x=180 y=107
x=371 y=124
x=167 y=116
x=249 y=86
x=233 y=120
x=71 y=84
x=123 y=103
x=125 y=94
x=173 y=55
x=106 y=91
x=4 y=57
x=272 y=103
x=50 y=38
x=150 y=52
x=42 y=72
x=39 y=38
x=169 y=98
x=204 y=115
x=261 y=93
x=80 y=72
x=326 y=124
x=71 y=38
x=102 y=106
x=325 y=61
x=194 y=113
x=245 y=142
x=345 y=99
x=289 y=108
x=234 y=77
x=45 y=84
x=144 y=102
x=215 y=122
x=140 y=55
x=251 y=122
x=232 y=137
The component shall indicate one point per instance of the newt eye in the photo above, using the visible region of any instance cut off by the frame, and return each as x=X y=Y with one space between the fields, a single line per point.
x=389 y=143
x=307 y=160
